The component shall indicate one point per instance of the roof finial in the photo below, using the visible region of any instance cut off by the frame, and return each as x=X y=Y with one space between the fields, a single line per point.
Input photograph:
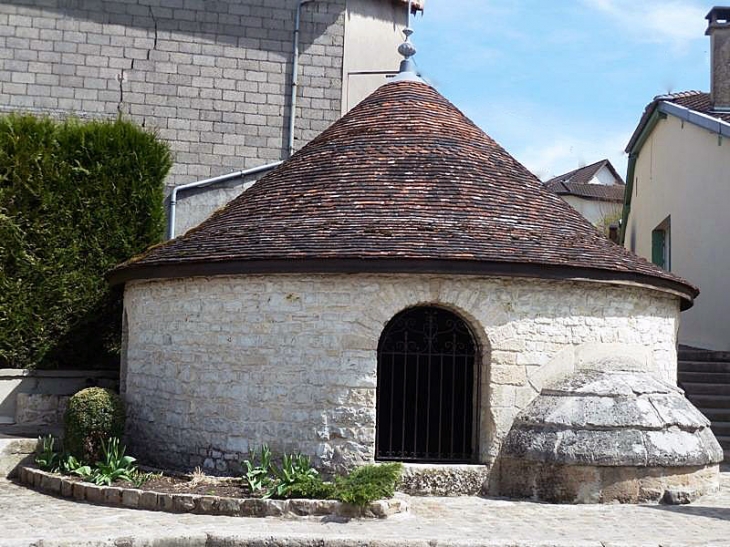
x=407 y=49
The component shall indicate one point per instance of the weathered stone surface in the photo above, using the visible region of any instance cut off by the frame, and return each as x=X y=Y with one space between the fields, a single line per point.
x=165 y=502
x=617 y=437
x=557 y=483
x=207 y=505
x=79 y=491
x=605 y=425
x=230 y=506
x=113 y=496
x=591 y=411
x=444 y=480
x=221 y=365
x=607 y=377
x=130 y=498
x=183 y=503
x=148 y=500
x=673 y=410
x=95 y=494
x=40 y=408
x=51 y=484
x=67 y=488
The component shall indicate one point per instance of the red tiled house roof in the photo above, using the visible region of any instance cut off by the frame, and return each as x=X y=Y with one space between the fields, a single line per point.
x=697 y=101
x=402 y=183
x=577 y=183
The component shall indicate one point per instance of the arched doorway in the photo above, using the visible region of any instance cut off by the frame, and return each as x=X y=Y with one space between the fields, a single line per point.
x=426 y=388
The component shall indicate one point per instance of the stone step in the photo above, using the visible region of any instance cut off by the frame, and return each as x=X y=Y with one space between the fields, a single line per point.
x=709 y=401
x=716 y=414
x=692 y=388
x=721 y=378
x=15 y=451
x=703 y=366
x=703 y=355
x=721 y=428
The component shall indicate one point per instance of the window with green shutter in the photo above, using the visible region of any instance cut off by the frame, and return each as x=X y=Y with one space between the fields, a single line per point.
x=660 y=245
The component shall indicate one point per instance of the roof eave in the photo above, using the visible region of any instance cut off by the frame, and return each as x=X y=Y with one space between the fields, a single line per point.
x=687 y=293
x=594 y=198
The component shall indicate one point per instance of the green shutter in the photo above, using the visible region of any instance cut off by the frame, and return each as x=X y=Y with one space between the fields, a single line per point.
x=658 y=242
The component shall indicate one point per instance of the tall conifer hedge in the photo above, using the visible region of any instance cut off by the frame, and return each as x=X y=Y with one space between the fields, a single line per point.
x=76 y=198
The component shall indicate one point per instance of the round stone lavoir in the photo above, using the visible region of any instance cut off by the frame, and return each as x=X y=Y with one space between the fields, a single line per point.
x=402 y=289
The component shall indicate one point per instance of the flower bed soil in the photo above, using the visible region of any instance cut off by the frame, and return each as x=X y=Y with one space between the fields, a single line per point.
x=228 y=488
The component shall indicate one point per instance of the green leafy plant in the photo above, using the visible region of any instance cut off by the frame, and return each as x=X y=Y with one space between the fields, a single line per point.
x=115 y=465
x=76 y=199
x=368 y=483
x=70 y=464
x=86 y=472
x=258 y=476
x=138 y=478
x=312 y=488
x=296 y=478
x=294 y=470
x=47 y=458
x=93 y=415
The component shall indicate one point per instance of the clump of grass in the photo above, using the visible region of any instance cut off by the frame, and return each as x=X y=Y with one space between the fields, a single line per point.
x=295 y=478
x=368 y=483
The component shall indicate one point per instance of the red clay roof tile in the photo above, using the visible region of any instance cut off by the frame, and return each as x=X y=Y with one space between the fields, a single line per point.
x=403 y=176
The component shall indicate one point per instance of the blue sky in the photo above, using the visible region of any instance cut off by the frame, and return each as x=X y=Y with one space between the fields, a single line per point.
x=562 y=83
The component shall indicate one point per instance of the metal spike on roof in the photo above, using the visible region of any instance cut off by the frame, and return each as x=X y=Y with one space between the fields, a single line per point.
x=407 y=69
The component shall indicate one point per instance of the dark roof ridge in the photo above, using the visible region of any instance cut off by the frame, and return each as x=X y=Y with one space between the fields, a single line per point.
x=567 y=176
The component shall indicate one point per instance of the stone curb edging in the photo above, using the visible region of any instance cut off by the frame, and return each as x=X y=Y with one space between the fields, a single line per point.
x=133 y=498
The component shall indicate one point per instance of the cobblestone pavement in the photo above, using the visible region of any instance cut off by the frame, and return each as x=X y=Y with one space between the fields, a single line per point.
x=30 y=518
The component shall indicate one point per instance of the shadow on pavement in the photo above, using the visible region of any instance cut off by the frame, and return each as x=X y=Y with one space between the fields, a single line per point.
x=720 y=513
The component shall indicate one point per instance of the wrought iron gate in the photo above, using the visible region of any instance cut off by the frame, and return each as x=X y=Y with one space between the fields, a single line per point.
x=426 y=388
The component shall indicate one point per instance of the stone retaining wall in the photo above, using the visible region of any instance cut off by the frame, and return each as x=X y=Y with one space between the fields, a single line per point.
x=217 y=366
x=39 y=397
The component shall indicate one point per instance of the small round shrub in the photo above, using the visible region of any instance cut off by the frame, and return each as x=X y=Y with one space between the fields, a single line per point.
x=93 y=415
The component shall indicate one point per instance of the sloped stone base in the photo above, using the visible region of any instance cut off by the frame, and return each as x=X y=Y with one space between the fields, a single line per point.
x=557 y=483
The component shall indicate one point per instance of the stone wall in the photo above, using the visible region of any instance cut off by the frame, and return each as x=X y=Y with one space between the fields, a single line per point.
x=216 y=366
x=211 y=77
x=39 y=396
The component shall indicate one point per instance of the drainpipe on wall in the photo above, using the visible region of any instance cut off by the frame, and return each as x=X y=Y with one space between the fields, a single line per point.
x=207 y=182
x=295 y=75
x=263 y=168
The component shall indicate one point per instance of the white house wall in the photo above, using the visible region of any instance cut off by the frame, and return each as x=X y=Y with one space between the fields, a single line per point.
x=683 y=171
x=592 y=209
x=373 y=32
x=604 y=176
x=217 y=366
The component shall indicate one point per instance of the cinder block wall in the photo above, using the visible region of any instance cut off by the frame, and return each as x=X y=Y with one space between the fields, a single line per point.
x=210 y=76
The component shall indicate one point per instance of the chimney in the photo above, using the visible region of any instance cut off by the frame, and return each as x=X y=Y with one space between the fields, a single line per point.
x=718 y=30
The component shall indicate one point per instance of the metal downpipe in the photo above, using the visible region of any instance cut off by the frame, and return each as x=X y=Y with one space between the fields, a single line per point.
x=207 y=182
x=295 y=76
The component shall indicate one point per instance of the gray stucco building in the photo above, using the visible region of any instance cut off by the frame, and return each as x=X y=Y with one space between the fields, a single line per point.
x=212 y=78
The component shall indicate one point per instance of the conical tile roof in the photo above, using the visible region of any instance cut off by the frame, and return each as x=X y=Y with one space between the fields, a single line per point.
x=402 y=183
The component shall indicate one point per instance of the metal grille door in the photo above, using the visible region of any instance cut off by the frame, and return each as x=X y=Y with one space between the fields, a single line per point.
x=425 y=406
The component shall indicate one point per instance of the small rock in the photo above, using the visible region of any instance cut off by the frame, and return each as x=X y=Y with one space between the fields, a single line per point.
x=677 y=496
